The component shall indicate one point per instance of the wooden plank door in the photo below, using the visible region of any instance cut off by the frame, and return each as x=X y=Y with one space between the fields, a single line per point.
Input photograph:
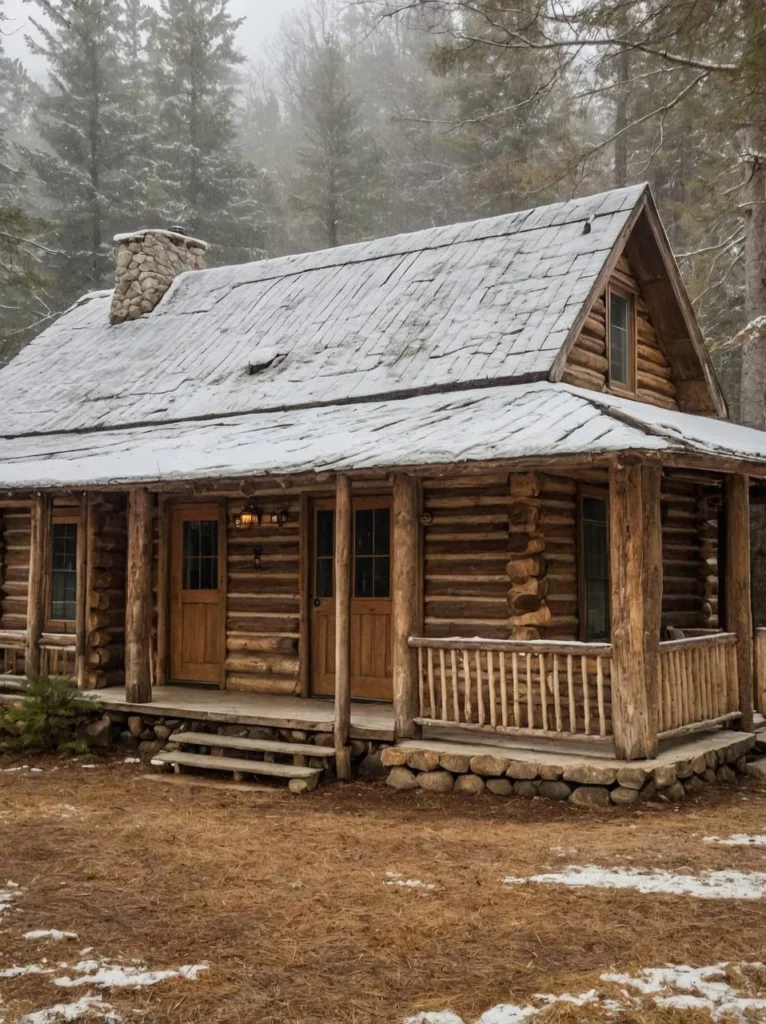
x=371 y=657
x=197 y=593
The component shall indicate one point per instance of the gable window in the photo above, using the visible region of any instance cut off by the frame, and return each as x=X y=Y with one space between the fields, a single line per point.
x=620 y=339
x=63 y=572
x=594 y=566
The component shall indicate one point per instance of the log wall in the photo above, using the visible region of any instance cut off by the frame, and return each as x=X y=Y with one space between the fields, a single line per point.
x=15 y=537
x=106 y=572
x=689 y=554
x=587 y=364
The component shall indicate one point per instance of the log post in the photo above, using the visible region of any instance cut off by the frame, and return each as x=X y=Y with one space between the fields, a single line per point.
x=163 y=584
x=635 y=541
x=405 y=604
x=138 y=611
x=343 y=561
x=738 y=599
x=82 y=594
x=38 y=546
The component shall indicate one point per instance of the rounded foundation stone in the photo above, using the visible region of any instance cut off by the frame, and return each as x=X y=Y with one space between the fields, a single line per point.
x=469 y=785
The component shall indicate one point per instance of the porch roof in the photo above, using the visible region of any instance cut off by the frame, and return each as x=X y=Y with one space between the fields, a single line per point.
x=536 y=420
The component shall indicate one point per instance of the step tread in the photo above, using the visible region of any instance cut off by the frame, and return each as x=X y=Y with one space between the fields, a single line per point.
x=236 y=764
x=207 y=739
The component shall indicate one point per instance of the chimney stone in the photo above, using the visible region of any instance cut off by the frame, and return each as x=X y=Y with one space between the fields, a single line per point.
x=147 y=263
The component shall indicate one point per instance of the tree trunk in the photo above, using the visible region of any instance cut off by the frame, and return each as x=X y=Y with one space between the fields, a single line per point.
x=621 y=115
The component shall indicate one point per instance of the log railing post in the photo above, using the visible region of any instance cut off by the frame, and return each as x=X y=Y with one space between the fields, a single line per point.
x=737 y=604
x=635 y=539
x=138 y=611
x=405 y=610
x=343 y=561
x=38 y=546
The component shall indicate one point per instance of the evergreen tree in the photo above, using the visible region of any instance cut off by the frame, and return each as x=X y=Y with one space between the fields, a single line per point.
x=87 y=168
x=202 y=181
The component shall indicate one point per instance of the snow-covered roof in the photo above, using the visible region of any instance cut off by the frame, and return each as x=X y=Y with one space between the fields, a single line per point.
x=450 y=307
x=510 y=422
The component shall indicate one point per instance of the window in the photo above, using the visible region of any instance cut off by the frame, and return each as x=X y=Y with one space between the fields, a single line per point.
x=325 y=553
x=372 y=552
x=594 y=567
x=200 y=561
x=620 y=326
x=63 y=579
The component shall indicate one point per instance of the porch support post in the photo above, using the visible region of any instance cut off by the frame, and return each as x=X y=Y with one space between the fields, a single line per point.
x=163 y=582
x=82 y=594
x=40 y=528
x=738 y=606
x=343 y=535
x=635 y=540
x=138 y=617
x=405 y=610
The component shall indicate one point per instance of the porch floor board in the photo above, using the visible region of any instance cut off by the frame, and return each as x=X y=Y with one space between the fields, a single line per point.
x=368 y=721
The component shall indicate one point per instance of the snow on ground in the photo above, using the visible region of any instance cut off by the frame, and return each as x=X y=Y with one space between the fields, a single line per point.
x=7 y=896
x=708 y=885
x=51 y=933
x=397 y=878
x=738 y=839
x=105 y=974
x=720 y=989
x=85 y=1007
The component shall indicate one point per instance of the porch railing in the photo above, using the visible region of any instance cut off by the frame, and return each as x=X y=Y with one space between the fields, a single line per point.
x=528 y=688
x=58 y=654
x=759 y=658
x=698 y=685
x=13 y=644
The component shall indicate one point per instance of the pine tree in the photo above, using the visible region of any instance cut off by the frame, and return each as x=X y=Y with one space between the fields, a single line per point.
x=84 y=120
x=202 y=181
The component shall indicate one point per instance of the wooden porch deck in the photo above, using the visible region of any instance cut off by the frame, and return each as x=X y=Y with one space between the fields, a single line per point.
x=368 y=721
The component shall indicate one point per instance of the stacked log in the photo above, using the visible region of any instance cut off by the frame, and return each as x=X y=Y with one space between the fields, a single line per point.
x=263 y=604
x=684 y=585
x=15 y=537
x=106 y=571
x=527 y=567
x=709 y=512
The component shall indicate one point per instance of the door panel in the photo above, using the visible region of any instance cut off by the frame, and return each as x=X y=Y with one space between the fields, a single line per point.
x=371 y=669
x=197 y=593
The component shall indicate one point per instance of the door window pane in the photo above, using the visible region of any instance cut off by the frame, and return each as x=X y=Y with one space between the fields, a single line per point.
x=595 y=567
x=372 y=552
x=619 y=339
x=200 y=562
x=325 y=552
x=63 y=572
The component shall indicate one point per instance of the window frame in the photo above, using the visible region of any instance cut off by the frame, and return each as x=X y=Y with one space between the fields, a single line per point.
x=60 y=517
x=602 y=493
x=628 y=387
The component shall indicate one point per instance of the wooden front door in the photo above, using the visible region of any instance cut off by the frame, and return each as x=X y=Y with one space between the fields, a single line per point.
x=371 y=671
x=197 y=593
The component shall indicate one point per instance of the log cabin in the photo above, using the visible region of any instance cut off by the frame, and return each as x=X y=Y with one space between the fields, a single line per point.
x=472 y=482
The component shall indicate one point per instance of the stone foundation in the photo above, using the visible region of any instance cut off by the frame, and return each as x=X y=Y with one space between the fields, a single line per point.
x=584 y=785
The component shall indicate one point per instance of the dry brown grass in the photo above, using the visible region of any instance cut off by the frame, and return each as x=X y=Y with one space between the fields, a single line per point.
x=285 y=896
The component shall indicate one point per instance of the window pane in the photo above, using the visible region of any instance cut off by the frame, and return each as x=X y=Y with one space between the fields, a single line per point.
x=363 y=577
x=382 y=545
x=324 y=577
x=200 y=561
x=365 y=518
x=63 y=604
x=619 y=338
x=381 y=577
x=595 y=564
x=325 y=533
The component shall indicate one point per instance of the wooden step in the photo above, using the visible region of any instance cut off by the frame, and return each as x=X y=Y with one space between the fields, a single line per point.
x=239 y=765
x=208 y=739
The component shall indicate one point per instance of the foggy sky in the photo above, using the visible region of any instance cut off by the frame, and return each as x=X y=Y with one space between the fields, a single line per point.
x=262 y=20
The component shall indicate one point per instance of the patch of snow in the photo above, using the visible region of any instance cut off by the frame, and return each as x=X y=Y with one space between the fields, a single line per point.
x=156 y=763
x=7 y=896
x=440 y=1017
x=397 y=878
x=738 y=839
x=507 y=1013
x=21 y=972
x=708 y=885
x=52 y=933
x=132 y=760
x=88 y=1005
x=110 y=975
x=89 y=766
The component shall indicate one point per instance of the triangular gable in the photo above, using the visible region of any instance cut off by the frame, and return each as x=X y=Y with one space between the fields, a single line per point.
x=643 y=247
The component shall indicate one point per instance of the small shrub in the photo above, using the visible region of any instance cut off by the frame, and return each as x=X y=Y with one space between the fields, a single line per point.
x=50 y=717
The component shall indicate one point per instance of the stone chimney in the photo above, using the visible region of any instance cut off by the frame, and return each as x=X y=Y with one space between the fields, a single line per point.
x=147 y=263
